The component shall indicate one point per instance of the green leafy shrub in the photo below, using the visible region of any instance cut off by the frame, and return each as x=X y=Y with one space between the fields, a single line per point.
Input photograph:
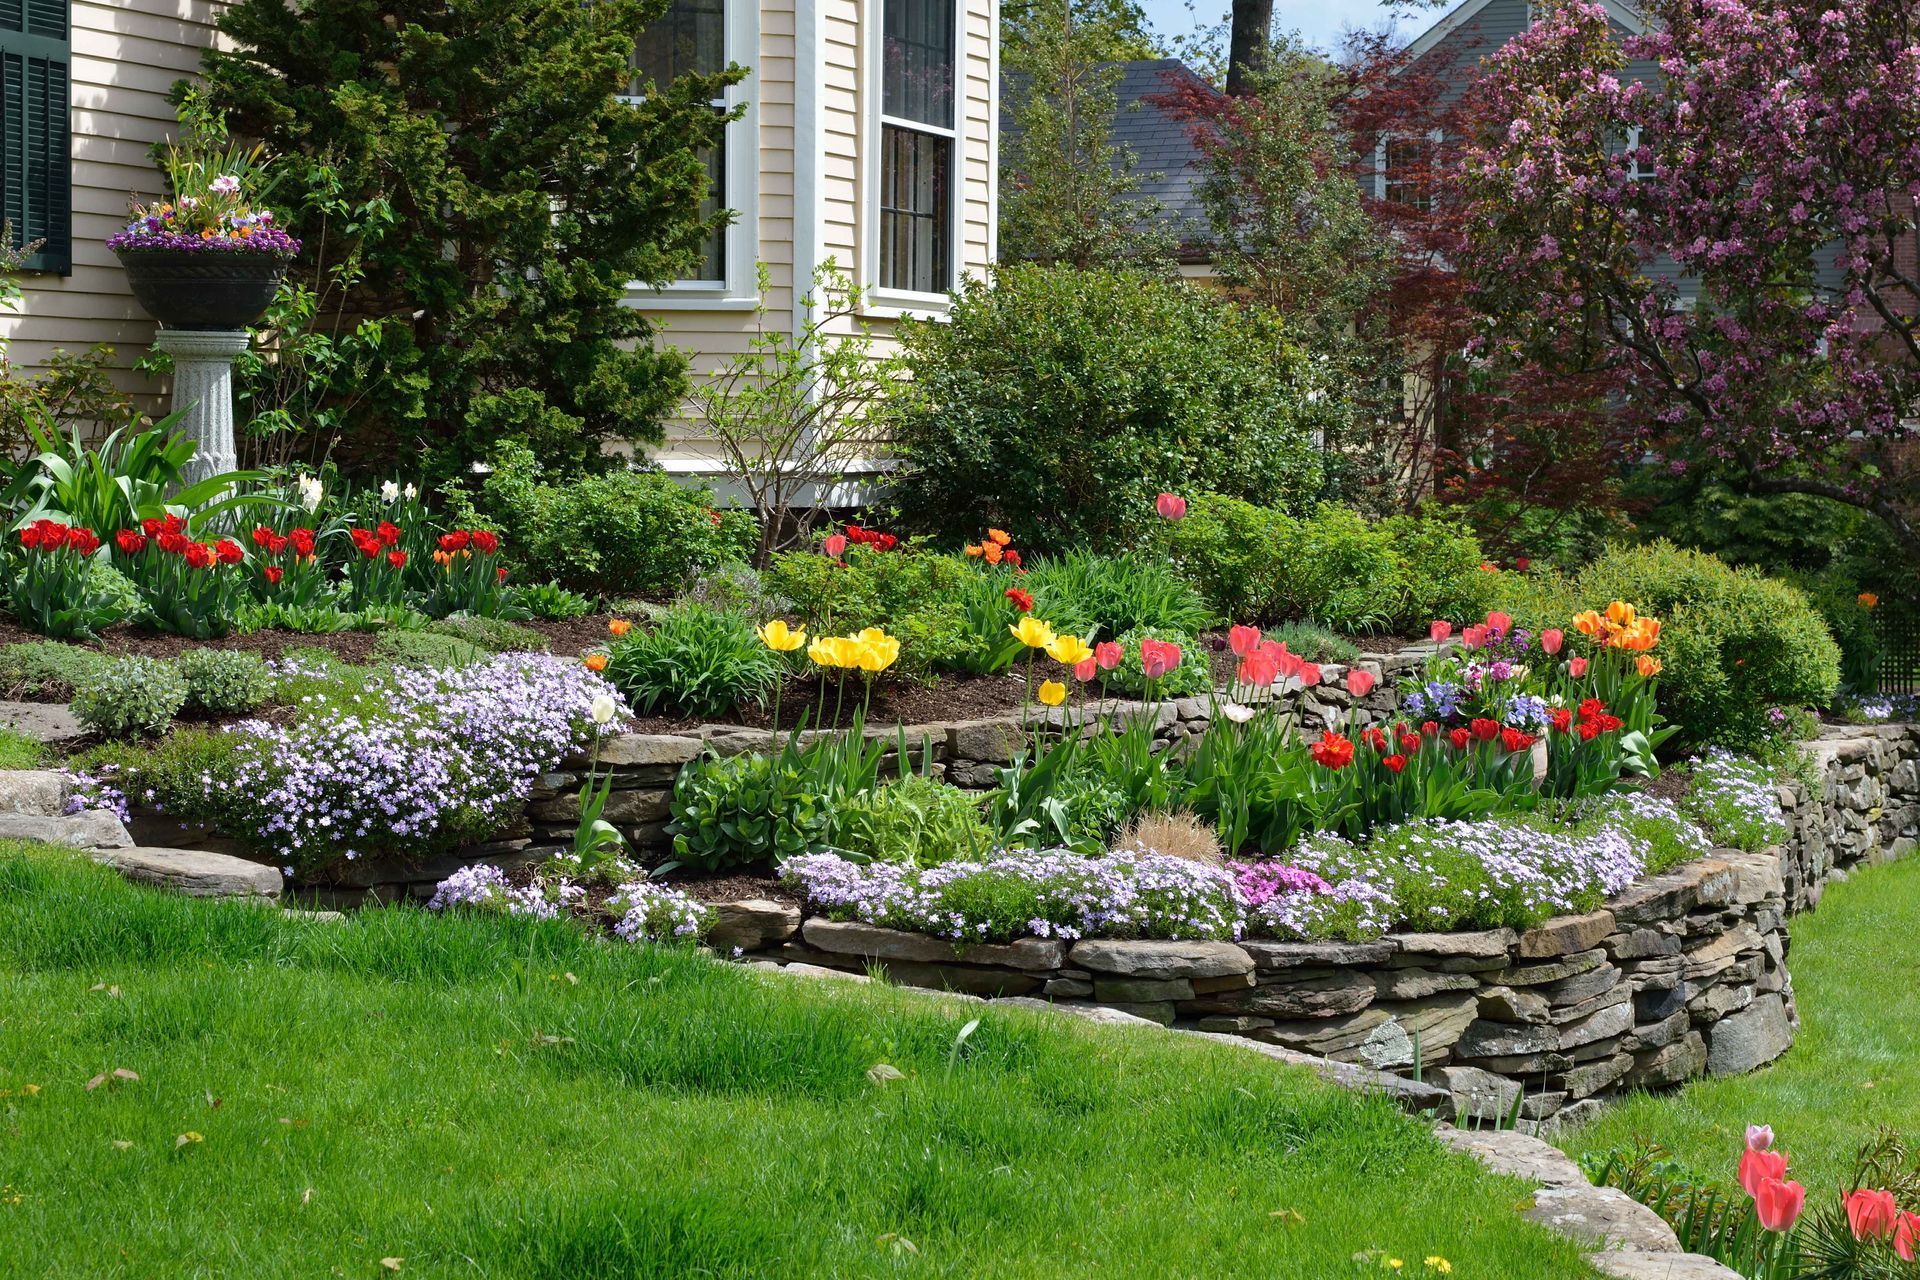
x=1314 y=642
x=496 y=635
x=914 y=819
x=224 y=682
x=18 y=751
x=700 y=661
x=912 y=593
x=1734 y=645
x=619 y=533
x=734 y=585
x=323 y=618
x=1193 y=675
x=549 y=601
x=1227 y=548
x=420 y=648
x=1085 y=591
x=48 y=668
x=745 y=810
x=1056 y=403
x=132 y=695
x=170 y=775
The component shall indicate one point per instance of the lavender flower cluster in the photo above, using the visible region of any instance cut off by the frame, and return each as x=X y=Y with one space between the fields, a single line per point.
x=233 y=232
x=1736 y=799
x=95 y=791
x=484 y=887
x=1028 y=893
x=1664 y=835
x=655 y=913
x=432 y=759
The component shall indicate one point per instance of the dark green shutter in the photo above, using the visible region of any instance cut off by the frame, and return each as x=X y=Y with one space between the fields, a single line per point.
x=36 y=167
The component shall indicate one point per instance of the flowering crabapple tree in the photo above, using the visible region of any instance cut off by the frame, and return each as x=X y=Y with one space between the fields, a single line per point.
x=1773 y=163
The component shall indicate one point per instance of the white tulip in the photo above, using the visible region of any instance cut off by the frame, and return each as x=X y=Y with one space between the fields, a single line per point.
x=604 y=709
x=1237 y=713
x=310 y=491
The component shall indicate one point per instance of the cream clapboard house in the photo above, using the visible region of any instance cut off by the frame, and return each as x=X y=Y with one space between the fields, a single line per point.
x=869 y=138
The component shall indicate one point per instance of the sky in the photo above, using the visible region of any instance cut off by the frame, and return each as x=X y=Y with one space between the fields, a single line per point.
x=1321 y=22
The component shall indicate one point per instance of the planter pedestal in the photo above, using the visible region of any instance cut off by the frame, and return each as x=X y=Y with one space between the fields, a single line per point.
x=203 y=387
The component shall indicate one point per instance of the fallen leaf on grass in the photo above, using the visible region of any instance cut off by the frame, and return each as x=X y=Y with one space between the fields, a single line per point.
x=897 y=1244
x=121 y=1144
x=118 y=1073
x=392 y=1264
x=113 y=991
x=298 y=1124
x=883 y=1073
x=212 y=1101
x=188 y=1138
x=306 y=1196
x=1288 y=1217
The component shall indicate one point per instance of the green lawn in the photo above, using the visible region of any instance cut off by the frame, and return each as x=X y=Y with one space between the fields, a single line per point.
x=1856 y=976
x=491 y=1098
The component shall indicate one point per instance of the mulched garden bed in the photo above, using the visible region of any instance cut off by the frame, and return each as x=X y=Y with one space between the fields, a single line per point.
x=894 y=701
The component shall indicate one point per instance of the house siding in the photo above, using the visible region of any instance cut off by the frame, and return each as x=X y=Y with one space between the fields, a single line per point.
x=125 y=58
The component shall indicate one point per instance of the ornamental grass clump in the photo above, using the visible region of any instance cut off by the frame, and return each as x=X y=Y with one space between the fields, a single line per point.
x=1735 y=799
x=430 y=760
x=1027 y=893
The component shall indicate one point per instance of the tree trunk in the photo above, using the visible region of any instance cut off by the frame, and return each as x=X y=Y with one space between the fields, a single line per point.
x=1247 y=47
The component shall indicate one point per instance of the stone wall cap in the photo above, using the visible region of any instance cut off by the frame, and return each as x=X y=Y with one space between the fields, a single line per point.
x=1483 y=944
x=1160 y=959
x=852 y=938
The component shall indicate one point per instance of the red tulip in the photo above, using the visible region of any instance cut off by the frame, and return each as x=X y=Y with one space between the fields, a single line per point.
x=83 y=540
x=1106 y=655
x=199 y=555
x=1439 y=631
x=1484 y=729
x=1551 y=639
x=1243 y=640
x=229 y=551
x=835 y=545
x=1459 y=738
x=387 y=532
x=1259 y=668
x=1758 y=1166
x=1290 y=663
x=1395 y=763
x=1577 y=667
x=273 y=573
x=1522 y=563
x=1778 y=1204
x=1473 y=637
x=485 y=541
x=1359 y=682
x=1083 y=670
x=398 y=559
x=1515 y=739
x=1871 y=1214
x=130 y=542
x=1332 y=751
x=1372 y=736
x=1170 y=506
x=1022 y=600
x=1500 y=622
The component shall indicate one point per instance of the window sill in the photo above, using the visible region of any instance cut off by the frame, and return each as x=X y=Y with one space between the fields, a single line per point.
x=900 y=304
x=676 y=300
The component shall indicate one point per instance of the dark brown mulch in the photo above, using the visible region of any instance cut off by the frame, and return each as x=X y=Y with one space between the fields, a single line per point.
x=352 y=646
x=733 y=888
x=1670 y=785
x=573 y=636
x=893 y=701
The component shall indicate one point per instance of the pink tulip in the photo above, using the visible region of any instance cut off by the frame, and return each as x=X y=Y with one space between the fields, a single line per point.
x=1577 y=667
x=1759 y=1137
x=1552 y=638
x=1871 y=1214
x=1290 y=663
x=1777 y=1204
x=1171 y=506
x=1906 y=1234
x=1243 y=640
x=1106 y=655
x=1473 y=637
x=1309 y=674
x=1157 y=657
x=1439 y=631
x=1758 y=1166
x=1084 y=669
x=836 y=545
x=1360 y=683
x=1259 y=668
x=1500 y=622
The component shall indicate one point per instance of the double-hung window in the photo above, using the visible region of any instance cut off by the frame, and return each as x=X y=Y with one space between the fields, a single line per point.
x=918 y=132
x=691 y=38
x=36 y=171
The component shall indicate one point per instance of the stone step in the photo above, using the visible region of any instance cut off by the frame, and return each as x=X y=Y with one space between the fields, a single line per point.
x=195 y=872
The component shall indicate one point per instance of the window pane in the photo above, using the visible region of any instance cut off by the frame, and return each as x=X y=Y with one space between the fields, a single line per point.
x=916 y=61
x=915 y=212
x=713 y=255
x=690 y=37
x=1409 y=172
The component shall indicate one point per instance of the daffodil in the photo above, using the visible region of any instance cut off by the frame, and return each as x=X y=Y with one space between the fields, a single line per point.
x=1052 y=693
x=1069 y=650
x=1032 y=632
x=781 y=638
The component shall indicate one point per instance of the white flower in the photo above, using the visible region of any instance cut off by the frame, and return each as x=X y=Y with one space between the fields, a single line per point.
x=1237 y=713
x=604 y=709
x=226 y=184
x=310 y=491
x=410 y=492
x=481 y=469
x=389 y=492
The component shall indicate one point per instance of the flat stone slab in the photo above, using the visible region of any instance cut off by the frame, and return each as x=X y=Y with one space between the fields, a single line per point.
x=1749 y=1039
x=1640 y=1264
x=1564 y=935
x=851 y=938
x=44 y=721
x=1483 y=945
x=752 y=924
x=88 y=829
x=1316 y=955
x=1605 y=1216
x=1162 y=959
x=195 y=873
x=40 y=793
x=1515 y=1154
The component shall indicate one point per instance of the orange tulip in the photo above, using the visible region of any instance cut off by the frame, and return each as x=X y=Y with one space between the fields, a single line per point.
x=1621 y=614
x=596 y=662
x=1649 y=667
x=1587 y=622
x=1867 y=599
x=999 y=537
x=992 y=552
x=619 y=626
x=972 y=548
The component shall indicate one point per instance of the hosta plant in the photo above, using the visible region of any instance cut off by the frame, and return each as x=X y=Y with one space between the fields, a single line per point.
x=745 y=810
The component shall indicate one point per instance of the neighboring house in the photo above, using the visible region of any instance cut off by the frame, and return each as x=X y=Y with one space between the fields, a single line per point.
x=870 y=137
x=83 y=94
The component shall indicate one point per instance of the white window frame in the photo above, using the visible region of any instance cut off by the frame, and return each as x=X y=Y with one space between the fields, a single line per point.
x=1634 y=172
x=1434 y=136
x=896 y=303
x=739 y=290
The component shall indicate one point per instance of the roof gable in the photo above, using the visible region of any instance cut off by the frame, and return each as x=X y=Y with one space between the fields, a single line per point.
x=1466 y=11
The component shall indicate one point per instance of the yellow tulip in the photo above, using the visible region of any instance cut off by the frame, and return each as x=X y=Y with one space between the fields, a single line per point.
x=826 y=653
x=877 y=655
x=1052 y=693
x=781 y=638
x=1032 y=632
x=871 y=635
x=1069 y=650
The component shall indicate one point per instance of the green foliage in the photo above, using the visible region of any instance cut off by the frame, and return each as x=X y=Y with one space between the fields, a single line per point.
x=1734 y=644
x=702 y=662
x=1056 y=403
x=1083 y=591
x=316 y=673
x=135 y=472
x=1333 y=566
x=911 y=592
x=745 y=810
x=1194 y=675
x=1314 y=642
x=915 y=820
x=18 y=751
x=174 y=769
x=131 y=696
x=619 y=533
x=320 y=619
x=482 y=179
x=736 y=585
x=49 y=669
x=424 y=649
x=548 y=601
x=496 y=635
x=224 y=681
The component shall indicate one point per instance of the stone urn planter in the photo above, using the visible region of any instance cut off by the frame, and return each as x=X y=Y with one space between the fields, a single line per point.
x=203 y=289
